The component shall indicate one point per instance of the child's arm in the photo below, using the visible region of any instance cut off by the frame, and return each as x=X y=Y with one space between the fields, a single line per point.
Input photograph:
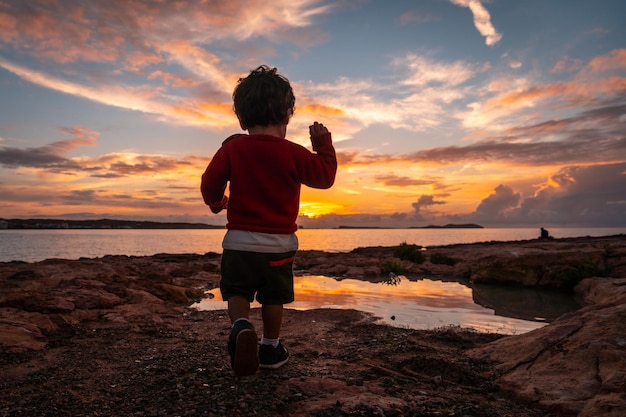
x=321 y=167
x=213 y=185
x=320 y=136
x=219 y=206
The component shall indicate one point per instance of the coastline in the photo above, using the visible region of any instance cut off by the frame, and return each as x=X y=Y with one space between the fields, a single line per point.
x=115 y=336
x=34 y=245
x=45 y=224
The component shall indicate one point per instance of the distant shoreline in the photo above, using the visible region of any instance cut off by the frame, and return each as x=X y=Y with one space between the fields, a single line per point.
x=98 y=224
x=53 y=224
x=431 y=226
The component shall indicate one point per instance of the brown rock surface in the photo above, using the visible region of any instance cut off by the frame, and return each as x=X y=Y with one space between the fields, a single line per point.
x=538 y=263
x=37 y=299
x=116 y=336
x=577 y=364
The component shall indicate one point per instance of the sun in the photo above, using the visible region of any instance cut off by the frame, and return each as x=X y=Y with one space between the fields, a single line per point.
x=316 y=209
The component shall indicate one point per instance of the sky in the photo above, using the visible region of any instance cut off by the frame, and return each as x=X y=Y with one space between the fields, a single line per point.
x=503 y=113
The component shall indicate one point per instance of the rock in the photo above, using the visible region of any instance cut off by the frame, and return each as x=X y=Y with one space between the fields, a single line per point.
x=602 y=291
x=575 y=365
x=537 y=263
x=71 y=293
x=22 y=331
x=540 y=270
x=172 y=293
x=19 y=336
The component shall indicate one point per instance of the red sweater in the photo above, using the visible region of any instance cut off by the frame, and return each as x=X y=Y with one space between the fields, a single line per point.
x=265 y=174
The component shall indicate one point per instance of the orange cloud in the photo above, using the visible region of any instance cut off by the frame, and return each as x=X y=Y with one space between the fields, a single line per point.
x=576 y=93
x=321 y=110
x=218 y=114
x=615 y=59
x=137 y=60
x=174 y=79
x=567 y=64
x=8 y=28
x=142 y=98
x=61 y=35
x=585 y=88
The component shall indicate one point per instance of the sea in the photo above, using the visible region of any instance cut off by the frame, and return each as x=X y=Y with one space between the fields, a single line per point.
x=417 y=303
x=32 y=245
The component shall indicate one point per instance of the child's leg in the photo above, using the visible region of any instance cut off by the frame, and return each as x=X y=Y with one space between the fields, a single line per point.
x=242 y=343
x=238 y=307
x=272 y=315
x=272 y=353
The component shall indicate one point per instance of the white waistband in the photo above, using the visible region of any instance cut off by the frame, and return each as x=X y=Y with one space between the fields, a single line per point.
x=260 y=242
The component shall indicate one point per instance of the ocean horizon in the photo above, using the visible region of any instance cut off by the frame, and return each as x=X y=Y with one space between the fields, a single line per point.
x=33 y=245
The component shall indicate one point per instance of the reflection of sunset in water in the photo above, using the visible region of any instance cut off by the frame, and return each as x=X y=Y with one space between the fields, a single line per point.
x=350 y=292
x=423 y=304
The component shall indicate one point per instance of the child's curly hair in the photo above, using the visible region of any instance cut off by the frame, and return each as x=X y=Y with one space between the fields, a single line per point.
x=263 y=98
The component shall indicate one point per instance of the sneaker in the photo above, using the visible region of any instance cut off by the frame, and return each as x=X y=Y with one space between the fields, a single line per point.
x=242 y=347
x=272 y=357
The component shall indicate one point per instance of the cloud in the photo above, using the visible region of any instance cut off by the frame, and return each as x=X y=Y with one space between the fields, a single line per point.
x=398 y=181
x=592 y=136
x=50 y=156
x=68 y=31
x=144 y=98
x=584 y=194
x=497 y=204
x=614 y=60
x=416 y=96
x=174 y=79
x=199 y=62
x=178 y=65
x=567 y=64
x=482 y=20
x=595 y=144
x=424 y=72
x=425 y=201
x=145 y=165
x=520 y=101
x=575 y=195
x=99 y=199
x=164 y=47
x=53 y=158
x=33 y=157
x=181 y=75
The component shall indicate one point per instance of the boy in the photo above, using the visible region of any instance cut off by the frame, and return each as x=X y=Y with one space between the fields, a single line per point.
x=265 y=172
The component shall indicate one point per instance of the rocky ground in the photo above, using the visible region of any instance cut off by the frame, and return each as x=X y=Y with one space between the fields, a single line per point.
x=115 y=336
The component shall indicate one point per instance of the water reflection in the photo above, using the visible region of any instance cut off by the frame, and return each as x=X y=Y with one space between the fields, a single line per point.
x=524 y=303
x=424 y=304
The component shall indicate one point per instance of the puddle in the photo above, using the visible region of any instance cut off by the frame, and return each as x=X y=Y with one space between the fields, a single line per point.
x=427 y=304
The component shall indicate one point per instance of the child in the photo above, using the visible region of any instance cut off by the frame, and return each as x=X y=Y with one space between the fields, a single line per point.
x=265 y=172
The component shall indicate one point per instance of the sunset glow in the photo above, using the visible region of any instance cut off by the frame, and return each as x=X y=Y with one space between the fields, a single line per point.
x=490 y=112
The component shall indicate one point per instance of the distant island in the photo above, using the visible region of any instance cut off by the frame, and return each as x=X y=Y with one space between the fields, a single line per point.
x=132 y=224
x=451 y=226
x=98 y=224
x=447 y=226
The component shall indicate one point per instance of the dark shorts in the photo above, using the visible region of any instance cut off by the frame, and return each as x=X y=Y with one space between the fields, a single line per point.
x=268 y=275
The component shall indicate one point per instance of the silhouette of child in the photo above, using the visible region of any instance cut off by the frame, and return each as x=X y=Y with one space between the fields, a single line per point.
x=264 y=173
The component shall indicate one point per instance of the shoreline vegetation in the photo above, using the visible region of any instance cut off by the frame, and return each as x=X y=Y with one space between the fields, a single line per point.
x=132 y=224
x=116 y=336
